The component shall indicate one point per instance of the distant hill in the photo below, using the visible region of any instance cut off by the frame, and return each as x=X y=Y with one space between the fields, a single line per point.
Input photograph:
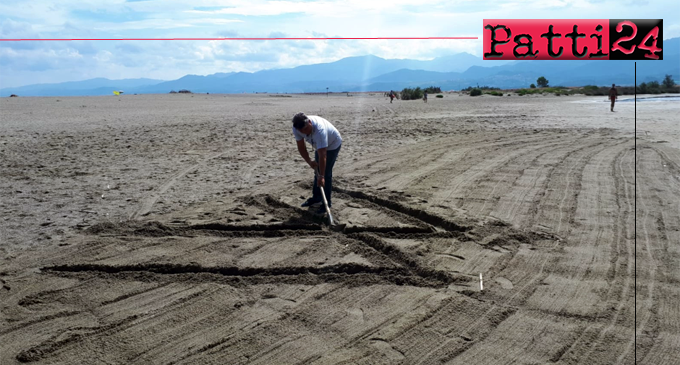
x=364 y=73
x=98 y=86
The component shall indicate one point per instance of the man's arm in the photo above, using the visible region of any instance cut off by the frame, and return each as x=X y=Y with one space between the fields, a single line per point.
x=303 y=152
x=322 y=160
x=321 y=181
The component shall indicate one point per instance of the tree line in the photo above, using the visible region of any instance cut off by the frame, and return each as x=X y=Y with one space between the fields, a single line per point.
x=668 y=85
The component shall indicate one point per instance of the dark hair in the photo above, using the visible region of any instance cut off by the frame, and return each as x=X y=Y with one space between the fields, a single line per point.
x=299 y=120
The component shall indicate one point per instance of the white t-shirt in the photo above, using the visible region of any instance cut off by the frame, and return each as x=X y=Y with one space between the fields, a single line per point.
x=324 y=134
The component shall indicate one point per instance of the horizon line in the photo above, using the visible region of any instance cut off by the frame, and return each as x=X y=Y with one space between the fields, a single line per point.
x=227 y=39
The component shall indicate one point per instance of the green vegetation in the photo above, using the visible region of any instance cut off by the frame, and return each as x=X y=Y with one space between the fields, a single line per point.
x=479 y=90
x=411 y=94
x=418 y=93
x=475 y=92
x=668 y=85
x=653 y=87
x=433 y=90
x=642 y=88
x=603 y=90
x=548 y=90
x=440 y=96
x=668 y=82
x=542 y=82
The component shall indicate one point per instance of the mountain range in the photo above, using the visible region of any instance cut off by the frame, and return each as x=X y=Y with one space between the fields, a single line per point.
x=371 y=73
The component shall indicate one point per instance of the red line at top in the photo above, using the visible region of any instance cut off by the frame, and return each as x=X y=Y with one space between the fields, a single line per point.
x=229 y=39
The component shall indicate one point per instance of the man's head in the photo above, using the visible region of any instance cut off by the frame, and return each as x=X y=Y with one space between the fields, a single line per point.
x=302 y=123
x=613 y=85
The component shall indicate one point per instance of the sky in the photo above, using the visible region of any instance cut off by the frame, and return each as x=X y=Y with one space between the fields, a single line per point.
x=25 y=63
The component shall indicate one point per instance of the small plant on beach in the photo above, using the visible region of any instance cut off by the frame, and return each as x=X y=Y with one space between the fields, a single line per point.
x=533 y=86
x=475 y=92
x=542 y=82
x=440 y=96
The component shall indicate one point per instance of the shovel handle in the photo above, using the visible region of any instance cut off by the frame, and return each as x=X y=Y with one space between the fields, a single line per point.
x=325 y=202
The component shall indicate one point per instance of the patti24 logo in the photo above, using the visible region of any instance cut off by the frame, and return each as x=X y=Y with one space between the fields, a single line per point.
x=572 y=39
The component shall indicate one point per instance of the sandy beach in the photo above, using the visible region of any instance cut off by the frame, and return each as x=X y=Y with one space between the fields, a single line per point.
x=167 y=229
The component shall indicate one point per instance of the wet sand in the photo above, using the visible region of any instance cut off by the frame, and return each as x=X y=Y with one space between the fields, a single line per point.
x=166 y=229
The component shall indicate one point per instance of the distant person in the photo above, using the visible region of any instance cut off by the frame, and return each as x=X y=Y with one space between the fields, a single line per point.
x=613 y=95
x=326 y=141
x=391 y=96
x=425 y=98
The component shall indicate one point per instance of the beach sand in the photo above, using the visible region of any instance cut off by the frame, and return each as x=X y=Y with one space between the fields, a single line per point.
x=166 y=229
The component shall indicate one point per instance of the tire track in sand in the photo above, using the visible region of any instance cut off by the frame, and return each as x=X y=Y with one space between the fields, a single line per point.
x=576 y=167
x=651 y=188
x=482 y=167
x=588 y=342
x=521 y=166
x=479 y=154
x=585 y=270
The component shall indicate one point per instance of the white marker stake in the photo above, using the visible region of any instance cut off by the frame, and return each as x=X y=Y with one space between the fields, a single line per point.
x=481 y=282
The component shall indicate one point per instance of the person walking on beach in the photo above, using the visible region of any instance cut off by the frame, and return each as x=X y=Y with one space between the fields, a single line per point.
x=613 y=95
x=425 y=97
x=391 y=96
x=326 y=141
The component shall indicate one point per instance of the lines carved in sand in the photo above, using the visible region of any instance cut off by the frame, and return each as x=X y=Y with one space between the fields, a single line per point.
x=150 y=200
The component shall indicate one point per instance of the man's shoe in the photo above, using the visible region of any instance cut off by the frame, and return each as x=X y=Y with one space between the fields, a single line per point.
x=310 y=202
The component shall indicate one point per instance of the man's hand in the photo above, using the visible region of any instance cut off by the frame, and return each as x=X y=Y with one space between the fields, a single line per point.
x=313 y=165
x=321 y=181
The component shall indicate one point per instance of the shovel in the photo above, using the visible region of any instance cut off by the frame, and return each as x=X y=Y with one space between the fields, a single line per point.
x=325 y=202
